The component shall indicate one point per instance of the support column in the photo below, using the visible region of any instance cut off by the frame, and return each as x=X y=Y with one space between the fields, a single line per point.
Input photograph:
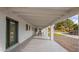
x=52 y=32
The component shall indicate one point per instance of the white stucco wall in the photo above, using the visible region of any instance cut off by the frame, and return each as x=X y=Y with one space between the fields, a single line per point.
x=23 y=34
x=45 y=33
x=2 y=32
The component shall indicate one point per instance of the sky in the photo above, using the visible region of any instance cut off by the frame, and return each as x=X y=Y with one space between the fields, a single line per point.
x=74 y=19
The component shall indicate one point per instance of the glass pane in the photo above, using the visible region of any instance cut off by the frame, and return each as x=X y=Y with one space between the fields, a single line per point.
x=12 y=33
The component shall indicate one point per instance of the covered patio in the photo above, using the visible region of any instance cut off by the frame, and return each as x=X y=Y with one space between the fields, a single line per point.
x=28 y=19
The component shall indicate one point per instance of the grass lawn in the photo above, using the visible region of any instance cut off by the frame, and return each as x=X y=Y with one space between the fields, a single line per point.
x=57 y=34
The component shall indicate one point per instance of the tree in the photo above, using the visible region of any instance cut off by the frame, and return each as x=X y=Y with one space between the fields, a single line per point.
x=59 y=25
x=65 y=26
x=75 y=26
x=69 y=24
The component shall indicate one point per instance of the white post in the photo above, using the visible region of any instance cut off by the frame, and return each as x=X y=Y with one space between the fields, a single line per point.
x=52 y=32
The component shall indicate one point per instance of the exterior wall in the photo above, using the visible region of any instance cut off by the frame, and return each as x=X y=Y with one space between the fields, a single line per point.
x=2 y=32
x=23 y=34
x=45 y=33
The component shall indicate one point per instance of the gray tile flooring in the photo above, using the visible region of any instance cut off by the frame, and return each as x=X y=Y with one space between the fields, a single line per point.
x=40 y=45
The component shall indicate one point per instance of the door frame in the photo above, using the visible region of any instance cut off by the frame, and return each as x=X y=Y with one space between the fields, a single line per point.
x=8 y=20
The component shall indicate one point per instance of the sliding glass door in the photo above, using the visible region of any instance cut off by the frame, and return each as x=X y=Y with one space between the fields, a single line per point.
x=11 y=32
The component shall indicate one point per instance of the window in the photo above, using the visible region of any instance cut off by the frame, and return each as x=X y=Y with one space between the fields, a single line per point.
x=29 y=27
x=26 y=26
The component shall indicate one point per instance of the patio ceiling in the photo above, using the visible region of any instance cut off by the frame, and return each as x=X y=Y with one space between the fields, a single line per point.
x=41 y=16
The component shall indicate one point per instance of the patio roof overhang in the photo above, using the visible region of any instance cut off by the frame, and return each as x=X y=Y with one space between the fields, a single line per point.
x=42 y=16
